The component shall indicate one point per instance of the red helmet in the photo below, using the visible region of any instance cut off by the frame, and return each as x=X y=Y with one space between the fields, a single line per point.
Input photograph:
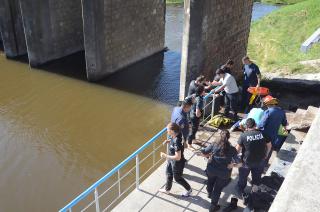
x=269 y=100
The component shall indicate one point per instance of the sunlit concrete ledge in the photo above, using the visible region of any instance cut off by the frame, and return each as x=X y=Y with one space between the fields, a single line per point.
x=301 y=188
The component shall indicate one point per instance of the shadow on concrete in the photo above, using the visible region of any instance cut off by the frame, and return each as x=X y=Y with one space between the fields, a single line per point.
x=196 y=170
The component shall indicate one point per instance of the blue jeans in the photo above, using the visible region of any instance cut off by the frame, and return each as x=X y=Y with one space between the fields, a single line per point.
x=256 y=172
x=231 y=101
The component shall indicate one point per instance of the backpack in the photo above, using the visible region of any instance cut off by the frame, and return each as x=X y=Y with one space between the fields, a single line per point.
x=219 y=120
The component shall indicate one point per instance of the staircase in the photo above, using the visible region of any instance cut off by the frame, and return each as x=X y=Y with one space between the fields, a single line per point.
x=299 y=123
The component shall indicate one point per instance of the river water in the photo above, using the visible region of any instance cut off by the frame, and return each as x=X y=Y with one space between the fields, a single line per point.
x=59 y=133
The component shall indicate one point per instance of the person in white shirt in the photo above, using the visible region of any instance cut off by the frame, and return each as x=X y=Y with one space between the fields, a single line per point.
x=229 y=85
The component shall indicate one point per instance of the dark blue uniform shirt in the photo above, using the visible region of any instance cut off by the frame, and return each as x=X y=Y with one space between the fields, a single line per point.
x=250 y=75
x=272 y=118
x=179 y=117
x=218 y=164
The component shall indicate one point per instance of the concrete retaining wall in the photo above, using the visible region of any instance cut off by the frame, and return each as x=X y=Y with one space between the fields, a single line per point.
x=11 y=28
x=119 y=33
x=215 y=30
x=300 y=190
x=53 y=29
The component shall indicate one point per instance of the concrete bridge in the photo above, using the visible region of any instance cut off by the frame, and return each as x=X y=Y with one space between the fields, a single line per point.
x=117 y=33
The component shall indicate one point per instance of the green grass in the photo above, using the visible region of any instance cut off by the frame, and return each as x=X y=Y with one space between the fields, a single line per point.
x=175 y=2
x=281 y=1
x=275 y=40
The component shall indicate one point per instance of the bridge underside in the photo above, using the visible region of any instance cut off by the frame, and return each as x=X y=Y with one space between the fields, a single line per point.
x=115 y=34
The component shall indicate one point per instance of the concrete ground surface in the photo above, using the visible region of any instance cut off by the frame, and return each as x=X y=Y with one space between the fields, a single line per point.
x=149 y=199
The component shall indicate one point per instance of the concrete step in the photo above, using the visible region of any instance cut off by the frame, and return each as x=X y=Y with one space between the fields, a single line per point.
x=285 y=157
x=299 y=135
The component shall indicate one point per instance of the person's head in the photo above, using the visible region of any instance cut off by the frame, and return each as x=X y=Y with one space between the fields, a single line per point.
x=223 y=141
x=220 y=72
x=229 y=63
x=270 y=101
x=200 y=80
x=200 y=91
x=246 y=60
x=250 y=124
x=173 y=129
x=187 y=104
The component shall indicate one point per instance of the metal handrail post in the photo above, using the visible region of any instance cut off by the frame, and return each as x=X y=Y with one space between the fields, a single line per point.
x=70 y=210
x=212 y=106
x=96 y=199
x=137 y=172
x=119 y=182
x=154 y=153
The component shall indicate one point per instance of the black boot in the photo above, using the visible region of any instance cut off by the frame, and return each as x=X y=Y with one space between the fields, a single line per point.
x=214 y=208
x=232 y=206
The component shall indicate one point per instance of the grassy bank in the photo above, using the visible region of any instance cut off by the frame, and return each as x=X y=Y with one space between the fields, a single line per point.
x=275 y=40
x=281 y=1
x=175 y=2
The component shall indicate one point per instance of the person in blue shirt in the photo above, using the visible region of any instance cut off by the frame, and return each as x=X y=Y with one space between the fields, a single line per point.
x=223 y=157
x=180 y=117
x=273 y=118
x=252 y=78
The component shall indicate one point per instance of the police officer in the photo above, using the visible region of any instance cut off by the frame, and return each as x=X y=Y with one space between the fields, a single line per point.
x=195 y=114
x=180 y=117
x=223 y=157
x=176 y=161
x=252 y=78
x=255 y=150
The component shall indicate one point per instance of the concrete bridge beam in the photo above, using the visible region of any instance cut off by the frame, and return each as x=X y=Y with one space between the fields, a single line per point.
x=120 y=33
x=11 y=28
x=53 y=29
x=214 y=30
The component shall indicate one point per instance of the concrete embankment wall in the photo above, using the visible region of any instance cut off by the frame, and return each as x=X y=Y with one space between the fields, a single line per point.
x=11 y=28
x=300 y=190
x=214 y=31
x=119 y=33
x=53 y=29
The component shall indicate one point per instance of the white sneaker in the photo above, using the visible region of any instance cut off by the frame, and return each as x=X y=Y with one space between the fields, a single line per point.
x=163 y=190
x=186 y=193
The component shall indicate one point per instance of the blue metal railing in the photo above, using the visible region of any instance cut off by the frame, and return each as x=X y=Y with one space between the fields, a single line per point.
x=115 y=170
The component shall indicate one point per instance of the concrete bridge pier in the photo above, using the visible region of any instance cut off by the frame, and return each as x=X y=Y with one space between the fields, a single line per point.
x=214 y=30
x=120 y=33
x=11 y=28
x=53 y=29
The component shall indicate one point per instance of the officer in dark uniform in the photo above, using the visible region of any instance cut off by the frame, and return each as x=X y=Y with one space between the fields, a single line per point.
x=223 y=157
x=176 y=161
x=180 y=117
x=195 y=114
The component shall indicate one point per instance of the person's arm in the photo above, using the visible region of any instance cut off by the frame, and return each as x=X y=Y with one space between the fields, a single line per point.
x=269 y=146
x=176 y=156
x=220 y=89
x=216 y=83
x=258 y=75
x=206 y=152
x=236 y=161
x=239 y=144
x=199 y=107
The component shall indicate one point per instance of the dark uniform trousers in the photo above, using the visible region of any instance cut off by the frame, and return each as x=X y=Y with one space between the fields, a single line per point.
x=231 y=103
x=174 y=171
x=256 y=172
x=215 y=186
x=195 y=122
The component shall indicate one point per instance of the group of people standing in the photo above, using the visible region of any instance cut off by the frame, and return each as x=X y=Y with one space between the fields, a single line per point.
x=251 y=154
